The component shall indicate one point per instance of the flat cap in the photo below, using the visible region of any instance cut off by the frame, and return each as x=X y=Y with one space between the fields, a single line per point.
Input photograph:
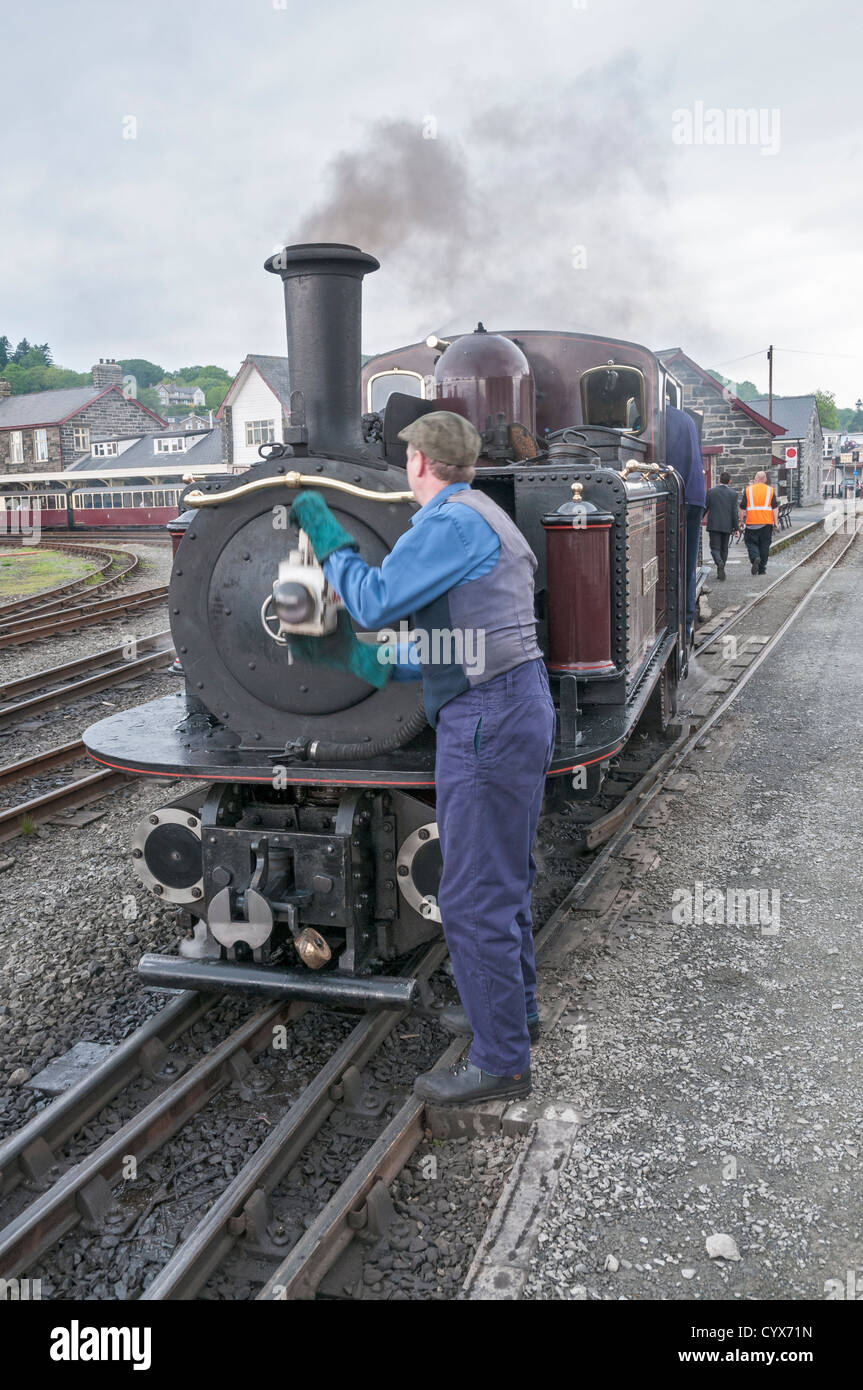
x=445 y=437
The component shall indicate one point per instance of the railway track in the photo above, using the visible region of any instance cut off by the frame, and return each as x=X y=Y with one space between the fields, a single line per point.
x=65 y=618
x=90 y=1194
x=47 y=598
x=21 y=817
x=63 y=685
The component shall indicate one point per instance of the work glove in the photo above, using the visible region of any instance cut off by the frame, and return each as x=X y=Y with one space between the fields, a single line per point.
x=342 y=650
x=311 y=512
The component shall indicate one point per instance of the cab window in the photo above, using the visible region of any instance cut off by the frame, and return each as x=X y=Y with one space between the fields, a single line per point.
x=613 y=396
x=382 y=386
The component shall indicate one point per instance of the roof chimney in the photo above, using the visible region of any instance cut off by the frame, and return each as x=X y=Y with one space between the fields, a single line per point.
x=5 y=389
x=107 y=372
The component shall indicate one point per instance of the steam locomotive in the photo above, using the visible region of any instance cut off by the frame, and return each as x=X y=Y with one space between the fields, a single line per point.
x=309 y=862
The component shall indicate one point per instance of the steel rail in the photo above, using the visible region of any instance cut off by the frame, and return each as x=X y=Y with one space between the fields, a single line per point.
x=79 y=792
x=759 y=598
x=43 y=762
x=30 y=1153
x=60 y=674
x=216 y=1233
x=52 y=609
x=302 y=1270
x=103 y=680
x=107 y=609
x=84 y=1190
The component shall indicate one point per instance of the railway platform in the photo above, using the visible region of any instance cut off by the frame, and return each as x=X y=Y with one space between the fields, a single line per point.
x=698 y=1103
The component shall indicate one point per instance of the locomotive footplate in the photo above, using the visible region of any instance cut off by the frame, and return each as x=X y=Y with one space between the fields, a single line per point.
x=160 y=739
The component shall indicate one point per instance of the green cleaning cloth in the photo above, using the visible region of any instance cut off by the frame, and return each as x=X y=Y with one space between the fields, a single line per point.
x=342 y=651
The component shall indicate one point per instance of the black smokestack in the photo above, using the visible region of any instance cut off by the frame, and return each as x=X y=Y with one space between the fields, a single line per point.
x=323 y=297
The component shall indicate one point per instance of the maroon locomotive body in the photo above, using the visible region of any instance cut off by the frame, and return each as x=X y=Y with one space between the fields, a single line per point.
x=319 y=816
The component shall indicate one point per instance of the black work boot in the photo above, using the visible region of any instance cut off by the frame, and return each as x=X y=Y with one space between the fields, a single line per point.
x=464 y=1084
x=720 y=570
x=454 y=1020
x=753 y=568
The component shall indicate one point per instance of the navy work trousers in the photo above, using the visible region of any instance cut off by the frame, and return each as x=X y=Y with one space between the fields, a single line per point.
x=494 y=747
x=758 y=540
x=694 y=514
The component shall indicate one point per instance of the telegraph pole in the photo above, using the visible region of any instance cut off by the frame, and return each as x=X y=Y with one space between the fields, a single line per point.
x=770 y=375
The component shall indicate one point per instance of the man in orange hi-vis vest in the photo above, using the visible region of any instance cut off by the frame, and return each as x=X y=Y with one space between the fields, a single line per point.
x=761 y=514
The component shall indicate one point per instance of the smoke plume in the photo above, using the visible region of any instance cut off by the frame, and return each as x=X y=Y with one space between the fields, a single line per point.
x=545 y=212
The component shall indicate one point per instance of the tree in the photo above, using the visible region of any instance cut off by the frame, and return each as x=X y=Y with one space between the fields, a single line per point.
x=4 y=351
x=215 y=396
x=826 y=402
x=21 y=350
x=44 y=351
x=148 y=397
x=743 y=390
x=145 y=373
x=24 y=379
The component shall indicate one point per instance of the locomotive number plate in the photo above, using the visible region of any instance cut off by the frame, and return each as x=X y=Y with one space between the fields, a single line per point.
x=650 y=575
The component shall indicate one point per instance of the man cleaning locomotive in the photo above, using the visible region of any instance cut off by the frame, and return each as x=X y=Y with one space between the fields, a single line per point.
x=463 y=560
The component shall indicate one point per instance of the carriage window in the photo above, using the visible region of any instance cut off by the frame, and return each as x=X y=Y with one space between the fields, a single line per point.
x=137 y=499
x=382 y=386
x=613 y=396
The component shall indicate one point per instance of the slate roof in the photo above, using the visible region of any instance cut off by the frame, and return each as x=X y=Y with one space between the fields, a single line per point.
x=178 y=393
x=793 y=412
x=45 y=407
x=274 y=370
x=206 y=451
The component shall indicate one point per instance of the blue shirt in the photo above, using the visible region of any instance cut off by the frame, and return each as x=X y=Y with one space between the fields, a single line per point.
x=445 y=547
x=683 y=453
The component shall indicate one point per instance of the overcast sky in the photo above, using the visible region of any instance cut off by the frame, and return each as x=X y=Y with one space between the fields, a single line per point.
x=533 y=164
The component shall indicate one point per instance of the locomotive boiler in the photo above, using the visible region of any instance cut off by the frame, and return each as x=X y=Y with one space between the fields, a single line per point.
x=307 y=863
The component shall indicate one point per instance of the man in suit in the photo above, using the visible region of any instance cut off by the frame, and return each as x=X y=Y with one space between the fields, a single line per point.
x=721 y=518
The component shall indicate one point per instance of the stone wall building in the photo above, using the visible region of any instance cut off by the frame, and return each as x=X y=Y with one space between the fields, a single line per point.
x=799 y=417
x=44 y=431
x=738 y=437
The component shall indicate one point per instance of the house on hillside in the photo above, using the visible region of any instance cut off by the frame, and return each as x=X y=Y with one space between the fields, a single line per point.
x=736 y=437
x=46 y=430
x=798 y=475
x=256 y=409
x=172 y=393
